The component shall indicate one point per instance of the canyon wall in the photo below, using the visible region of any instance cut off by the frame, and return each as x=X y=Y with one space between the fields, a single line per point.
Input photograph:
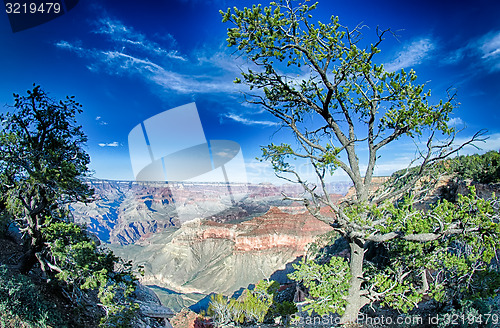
x=205 y=256
x=244 y=241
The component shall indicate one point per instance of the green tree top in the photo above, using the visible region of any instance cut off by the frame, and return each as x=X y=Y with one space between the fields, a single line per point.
x=338 y=102
x=42 y=161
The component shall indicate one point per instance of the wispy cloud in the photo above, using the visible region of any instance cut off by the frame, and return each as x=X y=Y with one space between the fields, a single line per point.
x=130 y=52
x=489 y=45
x=484 y=50
x=111 y=144
x=127 y=37
x=455 y=121
x=412 y=54
x=246 y=121
x=100 y=121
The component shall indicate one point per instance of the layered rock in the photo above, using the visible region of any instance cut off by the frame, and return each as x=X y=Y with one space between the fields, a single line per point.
x=241 y=244
x=125 y=212
x=206 y=256
x=275 y=229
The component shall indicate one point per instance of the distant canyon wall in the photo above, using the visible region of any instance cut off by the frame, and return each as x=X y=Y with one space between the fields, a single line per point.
x=126 y=211
x=205 y=256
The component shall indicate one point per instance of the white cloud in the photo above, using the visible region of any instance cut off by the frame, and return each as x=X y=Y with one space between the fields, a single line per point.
x=69 y=46
x=247 y=121
x=412 y=54
x=111 y=144
x=485 y=49
x=152 y=62
x=125 y=36
x=100 y=122
x=455 y=121
x=489 y=47
x=115 y=62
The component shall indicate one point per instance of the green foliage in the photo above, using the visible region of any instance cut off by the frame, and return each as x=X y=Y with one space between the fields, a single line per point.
x=454 y=243
x=22 y=305
x=42 y=162
x=471 y=314
x=481 y=168
x=343 y=104
x=285 y=310
x=281 y=36
x=253 y=306
x=458 y=264
x=220 y=310
x=41 y=153
x=328 y=284
x=82 y=266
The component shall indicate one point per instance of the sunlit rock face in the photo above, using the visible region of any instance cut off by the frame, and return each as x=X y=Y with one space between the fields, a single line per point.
x=205 y=256
x=255 y=238
x=125 y=212
x=275 y=229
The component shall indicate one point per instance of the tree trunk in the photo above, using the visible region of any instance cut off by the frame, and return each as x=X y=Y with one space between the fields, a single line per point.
x=355 y=300
x=29 y=259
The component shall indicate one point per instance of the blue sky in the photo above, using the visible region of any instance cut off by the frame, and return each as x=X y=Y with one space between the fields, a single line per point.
x=127 y=61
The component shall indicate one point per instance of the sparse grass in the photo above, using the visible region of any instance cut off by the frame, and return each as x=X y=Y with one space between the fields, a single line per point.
x=22 y=305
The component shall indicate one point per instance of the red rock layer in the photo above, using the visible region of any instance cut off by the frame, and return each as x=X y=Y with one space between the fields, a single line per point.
x=274 y=229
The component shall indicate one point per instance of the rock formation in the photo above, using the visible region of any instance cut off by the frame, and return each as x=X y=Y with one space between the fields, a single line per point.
x=125 y=212
x=205 y=256
x=241 y=244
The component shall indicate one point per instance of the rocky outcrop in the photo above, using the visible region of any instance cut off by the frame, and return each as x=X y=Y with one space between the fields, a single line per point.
x=483 y=190
x=275 y=229
x=151 y=312
x=205 y=256
x=377 y=182
x=278 y=229
x=125 y=212
x=189 y=319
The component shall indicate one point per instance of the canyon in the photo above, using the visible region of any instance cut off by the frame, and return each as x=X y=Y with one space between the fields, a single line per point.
x=221 y=245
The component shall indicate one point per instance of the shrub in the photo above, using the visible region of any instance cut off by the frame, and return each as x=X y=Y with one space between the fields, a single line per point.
x=21 y=304
x=481 y=168
x=468 y=314
x=253 y=306
x=328 y=282
x=83 y=267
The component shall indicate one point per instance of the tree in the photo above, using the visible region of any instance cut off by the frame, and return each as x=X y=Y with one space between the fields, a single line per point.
x=42 y=163
x=42 y=166
x=341 y=103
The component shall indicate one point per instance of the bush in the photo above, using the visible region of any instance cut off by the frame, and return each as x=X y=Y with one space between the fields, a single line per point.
x=21 y=304
x=480 y=168
x=468 y=314
x=84 y=268
x=328 y=282
x=253 y=306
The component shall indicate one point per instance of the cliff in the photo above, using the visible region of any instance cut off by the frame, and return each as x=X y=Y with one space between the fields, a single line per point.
x=226 y=244
x=206 y=256
x=125 y=212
